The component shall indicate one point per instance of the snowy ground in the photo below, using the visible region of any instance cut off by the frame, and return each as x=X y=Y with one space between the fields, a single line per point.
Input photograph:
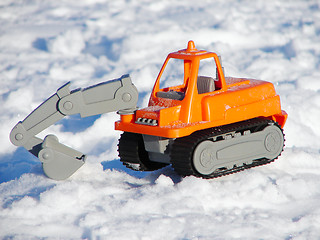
x=44 y=44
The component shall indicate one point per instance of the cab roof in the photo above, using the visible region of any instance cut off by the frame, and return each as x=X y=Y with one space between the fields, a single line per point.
x=191 y=52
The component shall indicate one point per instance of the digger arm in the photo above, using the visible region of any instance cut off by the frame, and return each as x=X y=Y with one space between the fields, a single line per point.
x=59 y=161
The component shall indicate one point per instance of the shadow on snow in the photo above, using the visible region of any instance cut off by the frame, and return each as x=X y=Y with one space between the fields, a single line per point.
x=151 y=175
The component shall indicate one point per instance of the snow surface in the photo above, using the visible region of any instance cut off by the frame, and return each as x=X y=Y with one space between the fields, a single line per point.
x=44 y=44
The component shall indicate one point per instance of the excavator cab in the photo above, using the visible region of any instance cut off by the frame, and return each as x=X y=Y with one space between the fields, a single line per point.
x=186 y=77
x=183 y=68
x=174 y=80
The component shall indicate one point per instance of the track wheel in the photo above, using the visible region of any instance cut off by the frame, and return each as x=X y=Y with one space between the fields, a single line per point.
x=133 y=155
x=182 y=157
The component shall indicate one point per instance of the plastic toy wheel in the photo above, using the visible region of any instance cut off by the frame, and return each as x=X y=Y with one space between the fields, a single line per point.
x=204 y=158
x=133 y=155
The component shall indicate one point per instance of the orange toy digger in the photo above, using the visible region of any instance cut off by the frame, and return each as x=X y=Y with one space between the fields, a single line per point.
x=198 y=120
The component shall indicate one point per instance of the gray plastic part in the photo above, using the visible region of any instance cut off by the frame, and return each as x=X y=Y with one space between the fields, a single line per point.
x=157 y=148
x=238 y=150
x=205 y=84
x=147 y=121
x=171 y=95
x=105 y=97
x=41 y=118
x=60 y=161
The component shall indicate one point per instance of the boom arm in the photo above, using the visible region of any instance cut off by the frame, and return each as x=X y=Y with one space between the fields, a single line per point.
x=59 y=161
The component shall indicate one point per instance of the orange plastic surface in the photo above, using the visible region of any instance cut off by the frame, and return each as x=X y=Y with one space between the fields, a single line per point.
x=234 y=100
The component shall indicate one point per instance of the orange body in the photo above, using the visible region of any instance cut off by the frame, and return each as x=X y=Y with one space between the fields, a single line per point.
x=232 y=100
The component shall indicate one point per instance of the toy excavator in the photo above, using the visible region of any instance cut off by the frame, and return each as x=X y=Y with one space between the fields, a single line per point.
x=199 y=121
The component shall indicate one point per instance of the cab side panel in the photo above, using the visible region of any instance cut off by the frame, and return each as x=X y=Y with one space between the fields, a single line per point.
x=256 y=99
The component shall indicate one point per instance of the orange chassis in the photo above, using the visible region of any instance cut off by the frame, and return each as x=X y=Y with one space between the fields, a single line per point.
x=234 y=100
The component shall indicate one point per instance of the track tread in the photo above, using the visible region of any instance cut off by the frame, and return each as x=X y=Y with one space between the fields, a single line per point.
x=132 y=151
x=182 y=148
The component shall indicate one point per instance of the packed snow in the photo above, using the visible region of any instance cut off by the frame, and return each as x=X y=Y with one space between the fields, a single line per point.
x=44 y=44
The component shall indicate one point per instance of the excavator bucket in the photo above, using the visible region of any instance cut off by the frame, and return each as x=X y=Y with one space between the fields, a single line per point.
x=59 y=161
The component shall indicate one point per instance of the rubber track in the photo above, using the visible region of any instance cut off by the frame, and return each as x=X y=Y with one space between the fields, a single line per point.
x=132 y=151
x=182 y=148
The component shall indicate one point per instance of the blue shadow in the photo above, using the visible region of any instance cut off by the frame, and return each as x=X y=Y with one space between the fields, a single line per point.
x=106 y=47
x=40 y=44
x=20 y=162
x=77 y=124
x=287 y=50
x=152 y=176
x=34 y=193
x=117 y=165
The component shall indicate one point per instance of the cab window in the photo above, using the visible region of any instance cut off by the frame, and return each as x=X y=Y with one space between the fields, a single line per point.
x=173 y=74
x=174 y=78
x=207 y=76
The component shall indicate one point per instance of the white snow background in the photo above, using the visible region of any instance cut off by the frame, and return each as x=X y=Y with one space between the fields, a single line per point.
x=44 y=44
